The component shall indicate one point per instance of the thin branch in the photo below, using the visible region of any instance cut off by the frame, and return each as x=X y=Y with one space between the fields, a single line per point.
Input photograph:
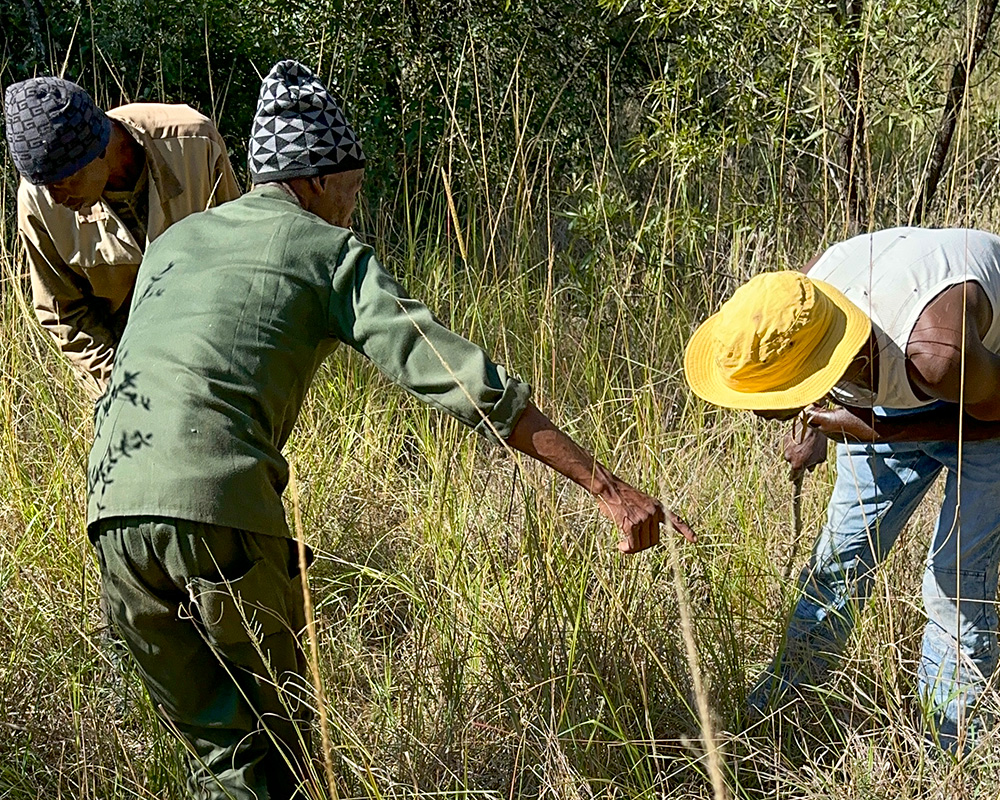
x=957 y=92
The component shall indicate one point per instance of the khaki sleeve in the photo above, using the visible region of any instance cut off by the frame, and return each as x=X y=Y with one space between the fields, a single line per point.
x=62 y=305
x=223 y=177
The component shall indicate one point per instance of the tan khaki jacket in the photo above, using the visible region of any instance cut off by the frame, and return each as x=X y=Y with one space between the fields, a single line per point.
x=83 y=264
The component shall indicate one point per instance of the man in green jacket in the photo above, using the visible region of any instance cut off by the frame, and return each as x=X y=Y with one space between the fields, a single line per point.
x=234 y=310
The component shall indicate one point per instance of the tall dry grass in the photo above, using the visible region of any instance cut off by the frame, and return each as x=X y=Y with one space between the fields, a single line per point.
x=477 y=634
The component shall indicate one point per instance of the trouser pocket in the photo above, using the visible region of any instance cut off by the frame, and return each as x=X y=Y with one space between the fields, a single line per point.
x=243 y=619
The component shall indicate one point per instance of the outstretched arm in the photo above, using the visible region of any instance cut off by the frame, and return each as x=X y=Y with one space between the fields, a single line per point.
x=637 y=515
x=861 y=425
x=372 y=313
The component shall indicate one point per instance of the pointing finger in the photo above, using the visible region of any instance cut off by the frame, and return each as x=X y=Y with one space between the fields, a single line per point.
x=681 y=527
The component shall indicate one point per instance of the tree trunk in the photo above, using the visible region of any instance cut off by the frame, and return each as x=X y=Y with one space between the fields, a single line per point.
x=853 y=145
x=412 y=10
x=35 y=15
x=952 y=108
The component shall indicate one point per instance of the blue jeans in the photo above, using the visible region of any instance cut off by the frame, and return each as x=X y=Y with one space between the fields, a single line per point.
x=878 y=488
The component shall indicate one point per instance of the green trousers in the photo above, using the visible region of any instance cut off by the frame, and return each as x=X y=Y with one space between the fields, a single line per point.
x=212 y=617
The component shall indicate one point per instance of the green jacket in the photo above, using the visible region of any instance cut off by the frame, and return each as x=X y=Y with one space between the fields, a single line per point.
x=234 y=310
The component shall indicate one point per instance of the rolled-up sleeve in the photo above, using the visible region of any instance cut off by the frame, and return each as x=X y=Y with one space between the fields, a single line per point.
x=372 y=313
x=62 y=304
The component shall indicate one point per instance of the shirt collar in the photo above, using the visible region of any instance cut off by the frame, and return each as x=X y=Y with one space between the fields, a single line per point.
x=271 y=190
x=163 y=177
x=129 y=195
x=157 y=170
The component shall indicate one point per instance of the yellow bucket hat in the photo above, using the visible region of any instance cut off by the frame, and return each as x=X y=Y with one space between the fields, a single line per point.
x=781 y=341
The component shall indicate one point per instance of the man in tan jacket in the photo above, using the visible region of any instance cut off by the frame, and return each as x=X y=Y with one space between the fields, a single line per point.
x=96 y=189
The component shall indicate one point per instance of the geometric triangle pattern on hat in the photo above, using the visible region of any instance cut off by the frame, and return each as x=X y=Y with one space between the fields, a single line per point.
x=299 y=129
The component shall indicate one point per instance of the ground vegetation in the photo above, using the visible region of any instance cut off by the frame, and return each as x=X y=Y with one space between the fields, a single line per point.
x=573 y=184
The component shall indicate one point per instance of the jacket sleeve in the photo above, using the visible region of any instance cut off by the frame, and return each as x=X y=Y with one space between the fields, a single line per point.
x=373 y=314
x=223 y=177
x=62 y=305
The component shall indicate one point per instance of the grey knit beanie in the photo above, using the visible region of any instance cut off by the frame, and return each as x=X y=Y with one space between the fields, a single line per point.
x=53 y=128
x=299 y=130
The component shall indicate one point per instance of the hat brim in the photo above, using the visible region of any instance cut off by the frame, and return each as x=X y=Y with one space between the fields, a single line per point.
x=849 y=330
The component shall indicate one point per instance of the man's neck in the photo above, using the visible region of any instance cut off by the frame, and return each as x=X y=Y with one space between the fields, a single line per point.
x=287 y=188
x=863 y=370
x=127 y=156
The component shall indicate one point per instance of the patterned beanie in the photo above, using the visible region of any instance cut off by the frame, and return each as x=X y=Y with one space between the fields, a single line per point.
x=299 y=130
x=53 y=128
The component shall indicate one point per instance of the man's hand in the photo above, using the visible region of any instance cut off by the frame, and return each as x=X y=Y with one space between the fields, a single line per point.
x=839 y=424
x=861 y=425
x=638 y=516
x=804 y=449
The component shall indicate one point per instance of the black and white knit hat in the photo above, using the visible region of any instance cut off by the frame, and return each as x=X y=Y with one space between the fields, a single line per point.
x=53 y=128
x=299 y=130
